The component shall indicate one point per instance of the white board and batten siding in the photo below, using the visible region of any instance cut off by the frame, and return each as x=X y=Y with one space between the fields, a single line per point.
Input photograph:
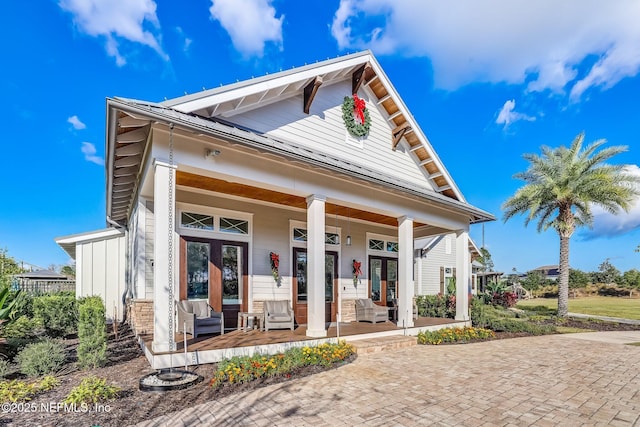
x=323 y=131
x=101 y=271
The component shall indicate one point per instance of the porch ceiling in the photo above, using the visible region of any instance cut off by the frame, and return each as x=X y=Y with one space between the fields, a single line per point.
x=265 y=195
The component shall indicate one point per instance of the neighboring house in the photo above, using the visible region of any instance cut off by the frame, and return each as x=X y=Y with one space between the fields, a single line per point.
x=549 y=272
x=203 y=189
x=435 y=266
x=42 y=281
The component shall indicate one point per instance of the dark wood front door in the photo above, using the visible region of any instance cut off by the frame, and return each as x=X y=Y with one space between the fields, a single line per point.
x=300 y=284
x=383 y=280
x=218 y=271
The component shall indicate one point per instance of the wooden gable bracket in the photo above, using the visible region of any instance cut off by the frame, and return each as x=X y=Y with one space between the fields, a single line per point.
x=362 y=74
x=310 y=92
x=398 y=133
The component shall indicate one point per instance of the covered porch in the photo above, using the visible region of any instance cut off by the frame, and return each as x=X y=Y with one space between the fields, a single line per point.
x=213 y=348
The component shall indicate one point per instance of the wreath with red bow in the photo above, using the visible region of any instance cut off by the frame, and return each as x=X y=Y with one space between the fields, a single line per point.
x=356 y=116
x=274 y=258
x=357 y=272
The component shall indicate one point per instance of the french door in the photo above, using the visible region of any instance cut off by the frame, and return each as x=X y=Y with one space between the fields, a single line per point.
x=216 y=271
x=383 y=280
x=300 y=285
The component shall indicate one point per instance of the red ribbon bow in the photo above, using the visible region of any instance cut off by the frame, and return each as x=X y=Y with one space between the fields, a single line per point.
x=356 y=268
x=358 y=107
x=275 y=260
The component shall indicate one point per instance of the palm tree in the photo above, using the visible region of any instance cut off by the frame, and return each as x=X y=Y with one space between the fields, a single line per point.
x=562 y=185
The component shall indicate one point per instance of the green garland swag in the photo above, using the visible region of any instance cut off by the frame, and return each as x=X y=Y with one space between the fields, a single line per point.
x=355 y=128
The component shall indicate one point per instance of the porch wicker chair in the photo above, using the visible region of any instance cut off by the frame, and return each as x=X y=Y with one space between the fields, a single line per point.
x=200 y=318
x=367 y=311
x=278 y=315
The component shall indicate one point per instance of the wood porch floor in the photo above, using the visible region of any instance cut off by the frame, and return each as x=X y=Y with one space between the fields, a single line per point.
x=235 y=339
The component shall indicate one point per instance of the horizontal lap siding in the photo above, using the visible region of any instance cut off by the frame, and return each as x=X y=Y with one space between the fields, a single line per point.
x=436 y=258
x=323 y=131
x=271 y=234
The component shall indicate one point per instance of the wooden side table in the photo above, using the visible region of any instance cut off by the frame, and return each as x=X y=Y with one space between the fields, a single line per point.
x=256 y=319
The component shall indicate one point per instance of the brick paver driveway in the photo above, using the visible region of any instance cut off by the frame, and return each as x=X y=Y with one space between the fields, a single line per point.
x=544 y=381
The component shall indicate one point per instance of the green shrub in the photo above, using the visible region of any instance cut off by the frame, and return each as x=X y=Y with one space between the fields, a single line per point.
x=92 y=390
x=21 y=391
x=58 y=312
x=23 y=305
x=513 y=325
x=22 y=328
x=477 y=311
x=436 y=305
x=5 y=368
x=40 y=358
x=92 y=347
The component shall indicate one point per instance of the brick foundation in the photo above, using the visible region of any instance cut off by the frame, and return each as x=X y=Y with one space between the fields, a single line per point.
x=348 y=310
x=141 y=316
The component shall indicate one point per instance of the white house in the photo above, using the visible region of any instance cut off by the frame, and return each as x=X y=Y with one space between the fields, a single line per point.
x=435 y=264
x=205 y=187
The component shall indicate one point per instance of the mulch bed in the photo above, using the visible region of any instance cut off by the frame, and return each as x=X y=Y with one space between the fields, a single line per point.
x=124 y=369
x=127 y=365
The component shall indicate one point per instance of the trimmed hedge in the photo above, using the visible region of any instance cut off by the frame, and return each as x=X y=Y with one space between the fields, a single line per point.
x=92 y=347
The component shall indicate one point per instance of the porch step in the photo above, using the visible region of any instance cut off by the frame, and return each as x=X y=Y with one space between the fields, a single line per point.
x=375 y=345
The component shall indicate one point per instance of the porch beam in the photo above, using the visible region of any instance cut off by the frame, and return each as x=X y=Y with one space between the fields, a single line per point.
x=315 y=266
x=310 y=93
x=162 y=305
x=360 y=76
x=405 y=272
x=398 y=133
x=463 y=275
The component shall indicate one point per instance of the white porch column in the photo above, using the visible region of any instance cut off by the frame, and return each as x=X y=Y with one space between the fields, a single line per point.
x=463 y=275
x=405 y=272
x=315 y=266
x=161 y=304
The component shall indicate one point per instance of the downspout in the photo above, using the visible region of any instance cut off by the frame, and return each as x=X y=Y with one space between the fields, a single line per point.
x=128 y=293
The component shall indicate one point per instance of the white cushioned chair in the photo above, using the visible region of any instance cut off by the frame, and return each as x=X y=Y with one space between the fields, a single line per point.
x=200 y=318
x=367 y=311
x=278 y=315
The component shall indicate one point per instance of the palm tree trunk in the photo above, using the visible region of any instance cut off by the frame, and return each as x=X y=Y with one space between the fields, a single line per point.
x=563 y=285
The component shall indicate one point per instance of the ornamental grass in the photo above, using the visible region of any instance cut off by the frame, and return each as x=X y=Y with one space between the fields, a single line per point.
x=454 y=335
x=248 y=368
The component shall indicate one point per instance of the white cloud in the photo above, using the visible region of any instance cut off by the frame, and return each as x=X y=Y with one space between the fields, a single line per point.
x=89 y=151
x=545 y=44
x=250 y=23
x=76 y=123
x=606 y=224
x=117 y=21
x=186 y=41
x=508 y=115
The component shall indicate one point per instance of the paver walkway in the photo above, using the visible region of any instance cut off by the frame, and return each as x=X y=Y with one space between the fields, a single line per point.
x=558 y=380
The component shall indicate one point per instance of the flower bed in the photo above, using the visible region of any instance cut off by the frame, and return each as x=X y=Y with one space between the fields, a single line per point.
x=248 y=368
x=454 y=335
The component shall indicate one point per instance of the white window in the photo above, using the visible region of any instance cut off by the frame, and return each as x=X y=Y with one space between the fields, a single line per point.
x=197 y=221
x=206 y=222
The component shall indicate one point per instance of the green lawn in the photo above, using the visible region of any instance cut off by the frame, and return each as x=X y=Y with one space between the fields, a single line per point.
x=626 y=308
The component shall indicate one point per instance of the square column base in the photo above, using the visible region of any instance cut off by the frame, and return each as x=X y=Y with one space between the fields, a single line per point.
x=162 y=347
x=317 y=333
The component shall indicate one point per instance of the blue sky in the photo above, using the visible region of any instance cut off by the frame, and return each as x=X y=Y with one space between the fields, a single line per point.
x=486 y=80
